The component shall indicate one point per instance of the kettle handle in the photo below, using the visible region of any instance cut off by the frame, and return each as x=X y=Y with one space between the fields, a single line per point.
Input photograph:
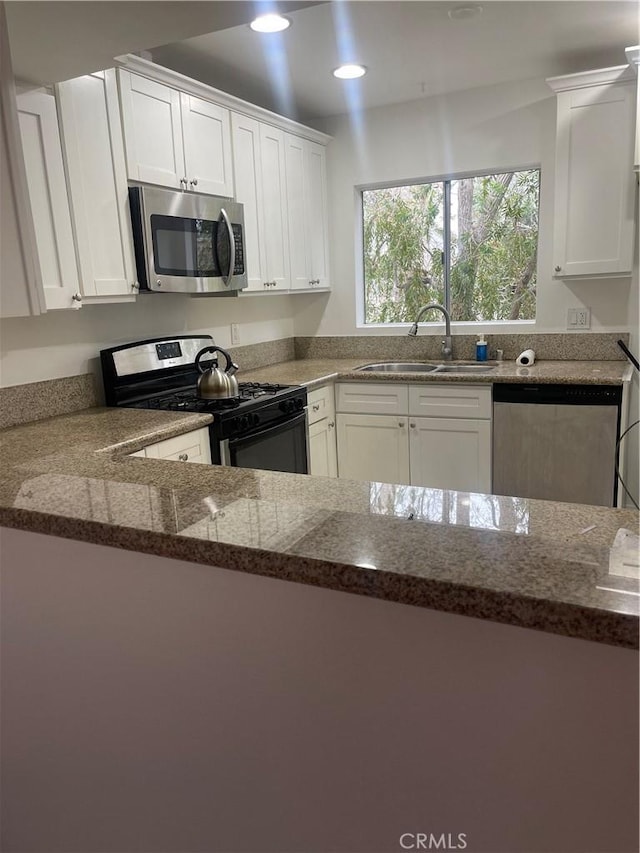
x=199 y=356
x=230 y=367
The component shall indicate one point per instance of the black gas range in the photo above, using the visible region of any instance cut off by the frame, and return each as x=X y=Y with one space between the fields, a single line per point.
x=264 y=427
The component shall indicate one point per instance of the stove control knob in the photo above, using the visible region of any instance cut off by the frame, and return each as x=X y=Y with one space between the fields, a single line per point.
x=244 y=422
x=299 y=405
x=285 y=406
x=254 y=419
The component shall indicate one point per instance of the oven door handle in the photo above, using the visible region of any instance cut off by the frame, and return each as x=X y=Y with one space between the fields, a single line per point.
x=232 y=246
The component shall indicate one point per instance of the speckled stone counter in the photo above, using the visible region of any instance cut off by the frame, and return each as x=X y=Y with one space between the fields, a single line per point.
x=528 y=563
x=315 y=372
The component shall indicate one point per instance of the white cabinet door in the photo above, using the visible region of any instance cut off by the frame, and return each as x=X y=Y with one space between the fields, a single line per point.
x=322 y=432
x=316 y=216
x=274 y=197
x=20 y=284
x=94 y=153
x=594 y=210
x=49 y=199
x=152 y=131
x=206 y=131
x=322 y=448
x=189 y=447
x=373 y=447
x=450 y=453
x=248 y=183
x=307 y=213
x=296 y=212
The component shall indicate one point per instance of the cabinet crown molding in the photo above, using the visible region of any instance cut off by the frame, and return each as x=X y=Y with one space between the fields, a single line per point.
x=161 y=74
x=585 y=79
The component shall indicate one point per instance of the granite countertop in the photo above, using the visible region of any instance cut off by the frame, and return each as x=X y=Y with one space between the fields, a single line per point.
x=535 y=564
x=316 y=372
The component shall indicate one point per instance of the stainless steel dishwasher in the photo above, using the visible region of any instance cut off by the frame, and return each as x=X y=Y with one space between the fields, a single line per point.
x=556 y=442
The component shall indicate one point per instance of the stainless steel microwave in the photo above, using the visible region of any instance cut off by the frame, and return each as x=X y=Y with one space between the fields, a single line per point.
x=187 y=242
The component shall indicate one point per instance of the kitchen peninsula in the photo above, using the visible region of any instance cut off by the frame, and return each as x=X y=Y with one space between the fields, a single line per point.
x=148 y=609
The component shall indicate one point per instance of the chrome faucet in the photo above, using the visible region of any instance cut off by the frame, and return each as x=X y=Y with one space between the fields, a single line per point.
x=447 y=345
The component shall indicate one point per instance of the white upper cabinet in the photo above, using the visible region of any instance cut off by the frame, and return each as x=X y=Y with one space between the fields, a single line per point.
x=307 y=213
x=248 y=182
x=274 y=199
x=94 y=153
x=152 y=131
x=259 y=165
x=633 y=57
x=20 y=284
x=49 y=199
x=207 y=146
x=175 y=139
x=594 y=185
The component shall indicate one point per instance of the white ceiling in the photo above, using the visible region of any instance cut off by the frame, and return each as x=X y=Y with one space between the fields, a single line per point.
x=412 y=49
x=53 y=40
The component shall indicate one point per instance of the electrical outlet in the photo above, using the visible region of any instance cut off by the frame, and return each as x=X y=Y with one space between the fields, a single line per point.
x=579 y=318
x=235 y=333
x=583 y=318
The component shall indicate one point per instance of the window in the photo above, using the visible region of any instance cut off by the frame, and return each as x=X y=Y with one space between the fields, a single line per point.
x=468 y=243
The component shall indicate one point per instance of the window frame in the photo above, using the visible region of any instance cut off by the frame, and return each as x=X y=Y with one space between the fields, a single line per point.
x=446 y=179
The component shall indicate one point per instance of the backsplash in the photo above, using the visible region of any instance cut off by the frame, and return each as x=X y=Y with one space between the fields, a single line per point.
x=597 y=346
x=34 y=401
x=20 y=404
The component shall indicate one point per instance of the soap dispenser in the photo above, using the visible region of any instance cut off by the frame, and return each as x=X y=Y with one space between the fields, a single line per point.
x=481 y=349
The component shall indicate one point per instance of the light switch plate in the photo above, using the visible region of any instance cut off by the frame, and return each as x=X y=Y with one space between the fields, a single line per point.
x=235 y=333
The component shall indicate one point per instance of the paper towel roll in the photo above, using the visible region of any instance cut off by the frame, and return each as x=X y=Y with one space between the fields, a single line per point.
x=526 y=358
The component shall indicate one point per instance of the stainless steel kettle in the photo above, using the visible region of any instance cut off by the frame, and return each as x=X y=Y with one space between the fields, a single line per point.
x=214 y=383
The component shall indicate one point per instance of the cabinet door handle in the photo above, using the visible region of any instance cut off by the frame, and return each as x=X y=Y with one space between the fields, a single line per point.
x=316 y=407
x=183 y=181
x=331 y=424
x=183 y=457
x=194 y=182
x=413 y=426
x=558 y=268
x=401 y=424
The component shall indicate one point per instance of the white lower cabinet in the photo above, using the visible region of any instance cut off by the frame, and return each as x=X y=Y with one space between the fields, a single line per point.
x=373 y=447
x=322 y=432
x=188 y=447
x=450 y=453
x=439 y=437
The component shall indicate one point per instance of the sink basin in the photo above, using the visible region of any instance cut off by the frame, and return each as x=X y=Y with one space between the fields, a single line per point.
x=420 y=367
x=398 y=367
x=464 y=368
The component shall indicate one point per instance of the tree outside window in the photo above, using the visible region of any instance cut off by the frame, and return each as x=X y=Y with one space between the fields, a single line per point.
x=469 y=243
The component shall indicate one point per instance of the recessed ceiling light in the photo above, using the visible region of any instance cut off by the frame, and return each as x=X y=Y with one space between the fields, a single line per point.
x=349 y=72
x=271 y=23
x=461 y=13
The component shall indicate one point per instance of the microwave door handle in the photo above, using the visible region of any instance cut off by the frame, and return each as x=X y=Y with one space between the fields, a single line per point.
x=232 y=246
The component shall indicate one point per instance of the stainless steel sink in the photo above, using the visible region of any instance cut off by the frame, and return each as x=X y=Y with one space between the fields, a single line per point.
x=398 y=367
x=421 y=367
x=464 y=368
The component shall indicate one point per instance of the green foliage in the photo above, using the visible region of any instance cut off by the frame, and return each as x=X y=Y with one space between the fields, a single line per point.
x=494 y=236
